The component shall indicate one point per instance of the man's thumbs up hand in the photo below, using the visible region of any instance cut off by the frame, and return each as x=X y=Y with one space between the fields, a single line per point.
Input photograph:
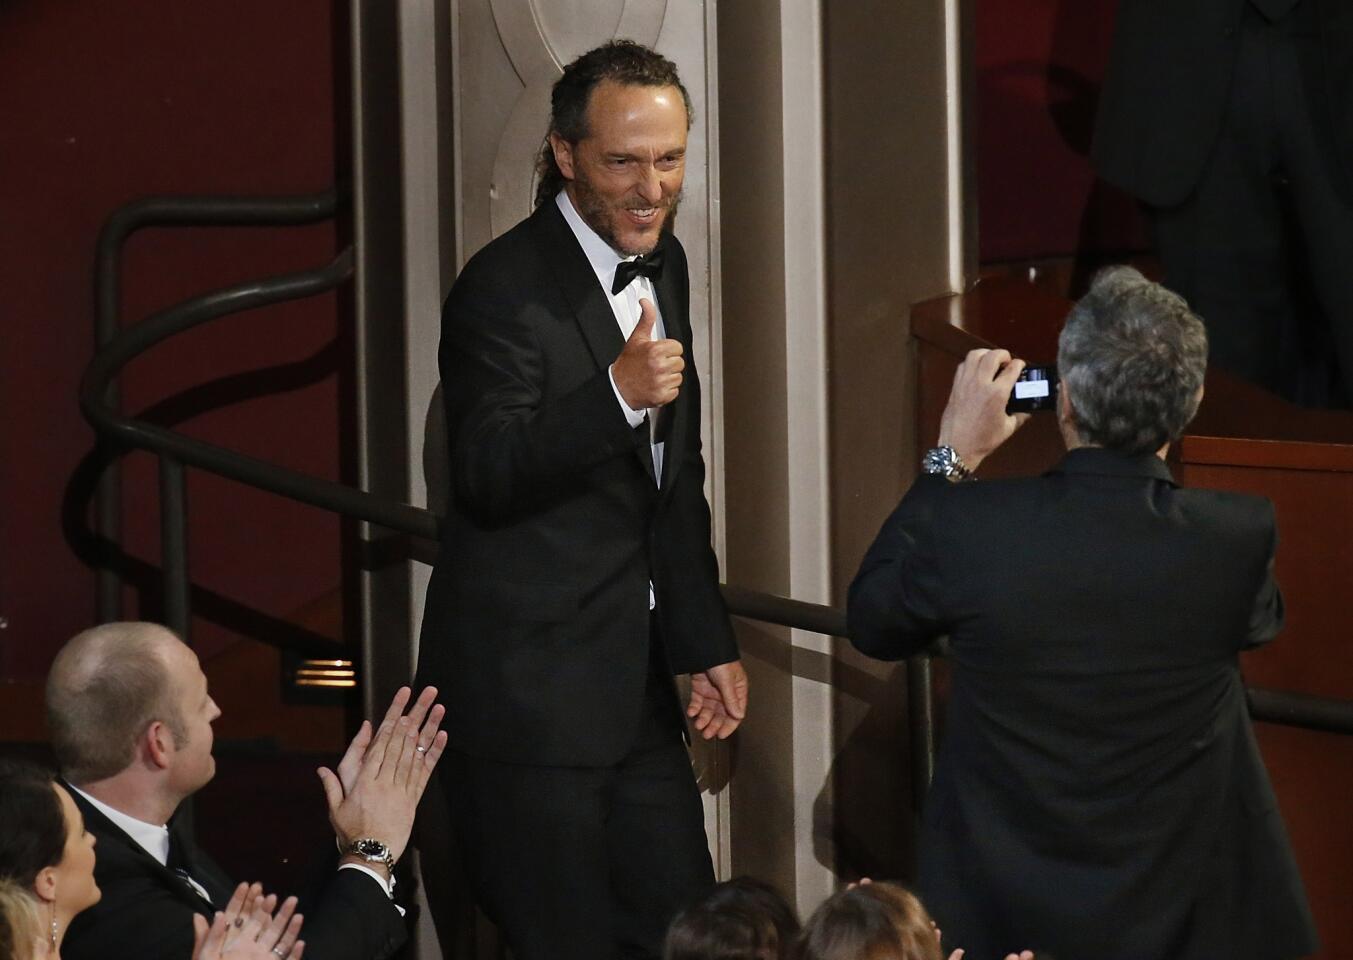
x=648 y=372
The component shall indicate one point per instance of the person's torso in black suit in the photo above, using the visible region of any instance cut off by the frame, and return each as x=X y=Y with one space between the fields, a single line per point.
x=146 y=909
x=1168 y=80
x=536 y=624
x=1098 y=790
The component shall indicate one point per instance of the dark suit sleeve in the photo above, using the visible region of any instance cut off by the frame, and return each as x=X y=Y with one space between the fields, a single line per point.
x=895 y=606
x=1266 y=619
x=354 y=919
x=508 y=447
x=703 y=636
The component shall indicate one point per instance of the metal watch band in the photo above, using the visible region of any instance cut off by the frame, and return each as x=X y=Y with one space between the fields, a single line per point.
x=944 y=461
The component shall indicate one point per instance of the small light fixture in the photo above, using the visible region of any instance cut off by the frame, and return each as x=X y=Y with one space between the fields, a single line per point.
x=334 y=674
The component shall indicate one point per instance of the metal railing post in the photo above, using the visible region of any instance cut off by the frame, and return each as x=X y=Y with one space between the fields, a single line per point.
x=174 y=545
x=108 y=493
x=173 y=211
x=921 y=721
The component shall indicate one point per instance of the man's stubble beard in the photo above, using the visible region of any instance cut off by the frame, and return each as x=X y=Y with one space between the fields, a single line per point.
x=596 y=213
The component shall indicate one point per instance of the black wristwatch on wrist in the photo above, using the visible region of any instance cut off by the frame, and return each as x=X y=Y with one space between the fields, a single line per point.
x=944 y=461
x=372 y=851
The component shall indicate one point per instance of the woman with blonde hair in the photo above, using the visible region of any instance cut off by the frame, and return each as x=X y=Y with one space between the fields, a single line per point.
x=18 y=923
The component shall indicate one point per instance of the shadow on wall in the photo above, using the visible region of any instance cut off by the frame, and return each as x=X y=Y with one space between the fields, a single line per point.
x=1039 y=71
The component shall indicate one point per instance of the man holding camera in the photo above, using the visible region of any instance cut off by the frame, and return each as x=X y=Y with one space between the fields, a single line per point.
x=1099 y=792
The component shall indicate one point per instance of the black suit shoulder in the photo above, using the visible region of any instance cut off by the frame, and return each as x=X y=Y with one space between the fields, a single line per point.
x=998 y=561
x=502 y=271
x=144 y=912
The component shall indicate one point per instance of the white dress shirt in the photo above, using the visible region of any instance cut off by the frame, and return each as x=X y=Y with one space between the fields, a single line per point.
x=152 y=838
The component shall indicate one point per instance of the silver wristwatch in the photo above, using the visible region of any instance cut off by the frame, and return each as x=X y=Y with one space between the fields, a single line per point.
x=372 y=851
x=945 y=462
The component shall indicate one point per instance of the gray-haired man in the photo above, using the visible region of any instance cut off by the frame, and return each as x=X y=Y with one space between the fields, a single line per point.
x=1099 y=792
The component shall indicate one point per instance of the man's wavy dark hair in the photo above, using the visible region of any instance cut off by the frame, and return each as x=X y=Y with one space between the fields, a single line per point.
x=622 y=61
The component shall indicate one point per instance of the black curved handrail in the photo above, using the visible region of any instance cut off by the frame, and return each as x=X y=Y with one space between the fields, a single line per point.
x=132 y=432
x=189 y=211
x=166 y=211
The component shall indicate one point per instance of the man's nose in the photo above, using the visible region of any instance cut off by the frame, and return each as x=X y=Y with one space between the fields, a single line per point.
x=650 y=185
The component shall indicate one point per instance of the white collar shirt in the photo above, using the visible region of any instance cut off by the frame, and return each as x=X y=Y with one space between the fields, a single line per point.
x=153 y=839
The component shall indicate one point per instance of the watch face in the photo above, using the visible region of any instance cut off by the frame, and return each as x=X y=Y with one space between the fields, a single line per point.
x=938 y=460
x=371 y=848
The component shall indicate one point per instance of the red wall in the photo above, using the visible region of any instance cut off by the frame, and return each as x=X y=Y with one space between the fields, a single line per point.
x=1039 y=66
x=104 y=103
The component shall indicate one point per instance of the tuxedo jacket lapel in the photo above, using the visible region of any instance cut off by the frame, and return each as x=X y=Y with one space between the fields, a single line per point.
x=115 y=845
x=673 y=301
x=589 y=303
x=199 y=866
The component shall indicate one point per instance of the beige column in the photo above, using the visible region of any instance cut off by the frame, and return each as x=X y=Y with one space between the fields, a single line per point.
x=843 y=200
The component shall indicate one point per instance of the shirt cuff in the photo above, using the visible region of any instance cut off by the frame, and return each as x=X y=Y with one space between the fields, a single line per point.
x=632 y=417
x=389 y=888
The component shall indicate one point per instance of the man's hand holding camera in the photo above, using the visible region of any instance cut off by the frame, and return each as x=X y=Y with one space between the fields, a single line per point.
x=974 y=422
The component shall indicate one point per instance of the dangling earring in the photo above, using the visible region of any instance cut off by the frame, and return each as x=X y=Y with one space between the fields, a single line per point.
x=53 y=928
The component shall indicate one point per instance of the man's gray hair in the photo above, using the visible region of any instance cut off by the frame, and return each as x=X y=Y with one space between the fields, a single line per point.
x=1132 y=355
x=106 y=686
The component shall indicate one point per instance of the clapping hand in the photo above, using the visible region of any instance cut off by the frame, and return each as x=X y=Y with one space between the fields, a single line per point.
x=382 y=777
x=248 y=929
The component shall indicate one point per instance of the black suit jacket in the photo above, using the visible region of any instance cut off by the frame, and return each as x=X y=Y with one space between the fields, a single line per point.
x=536 y=623
x=1166 y=88
x=1098 y=792
x=146 y=911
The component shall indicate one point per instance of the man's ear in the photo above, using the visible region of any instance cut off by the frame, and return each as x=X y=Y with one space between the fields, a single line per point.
x=158 y=743
x=44 y=884
x=563 y=154
x=1065 y=412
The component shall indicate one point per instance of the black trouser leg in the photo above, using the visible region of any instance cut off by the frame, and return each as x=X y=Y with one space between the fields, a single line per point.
x=1323 y=215
x=1224 y=249
x=584 y=862
x=659 y=855
x=1261 y=249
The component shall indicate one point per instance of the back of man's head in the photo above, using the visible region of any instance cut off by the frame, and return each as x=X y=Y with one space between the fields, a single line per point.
x=1131 y=357
x=106 y=686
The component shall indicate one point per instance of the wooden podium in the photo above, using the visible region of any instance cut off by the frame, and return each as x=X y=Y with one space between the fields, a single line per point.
x=1243 y=439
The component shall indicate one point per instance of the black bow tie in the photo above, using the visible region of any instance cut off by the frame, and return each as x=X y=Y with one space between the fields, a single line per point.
x=626 y=270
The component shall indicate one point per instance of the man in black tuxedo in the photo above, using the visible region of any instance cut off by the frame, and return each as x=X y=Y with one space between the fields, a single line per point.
x=1232 y=120
x=1098 y=792
x=576 y=576
x=130 y=718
